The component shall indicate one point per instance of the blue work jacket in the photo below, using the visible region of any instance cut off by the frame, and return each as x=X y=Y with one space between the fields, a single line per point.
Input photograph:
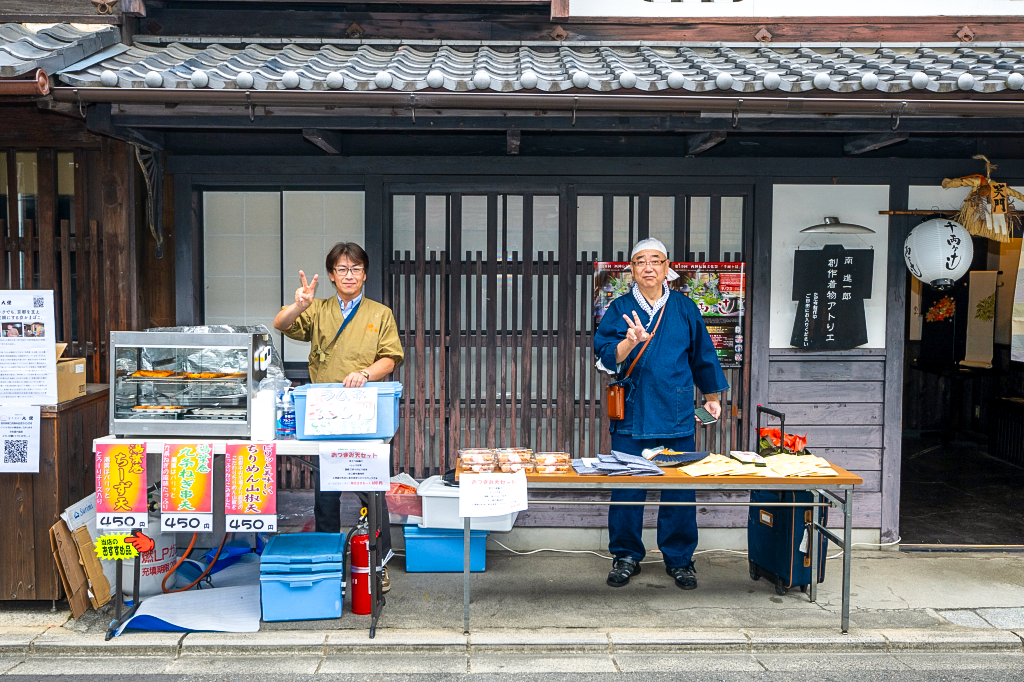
x=659 y=392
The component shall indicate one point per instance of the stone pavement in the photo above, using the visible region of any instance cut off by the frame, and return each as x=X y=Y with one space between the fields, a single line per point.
x=558 y=604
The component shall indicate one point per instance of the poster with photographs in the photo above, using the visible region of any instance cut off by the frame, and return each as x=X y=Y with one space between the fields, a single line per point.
x=28 y=351
x=718 y=289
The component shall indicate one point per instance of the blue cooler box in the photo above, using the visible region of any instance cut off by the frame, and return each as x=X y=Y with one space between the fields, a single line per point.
x=436 y=550
x=301 y=576
x=388 y=395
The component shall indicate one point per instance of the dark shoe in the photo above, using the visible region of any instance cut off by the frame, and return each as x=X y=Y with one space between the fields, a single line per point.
x=684 y=576
x=623 y=568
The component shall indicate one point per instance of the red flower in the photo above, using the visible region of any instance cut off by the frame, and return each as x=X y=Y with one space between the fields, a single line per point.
x=774 y=435
x=795 y=443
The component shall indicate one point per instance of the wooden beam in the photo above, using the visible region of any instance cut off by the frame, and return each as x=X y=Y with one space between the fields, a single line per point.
x=133 y=8
x=869 y=143
x=325 y=139
x=701 y=142
x=513 y=139
x=559 y=9
x=137 y=122
x=46 y=223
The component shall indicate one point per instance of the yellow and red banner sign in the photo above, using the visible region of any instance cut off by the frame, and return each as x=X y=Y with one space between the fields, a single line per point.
x=186 y=487
x=250 y=487
x=121 y=485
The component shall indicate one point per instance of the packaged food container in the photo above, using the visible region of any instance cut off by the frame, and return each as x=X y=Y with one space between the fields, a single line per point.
x=477 y=461
x=553 y=462
x=508 y=467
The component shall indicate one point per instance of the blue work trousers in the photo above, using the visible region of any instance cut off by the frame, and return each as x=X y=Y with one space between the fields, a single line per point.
x=677 y=526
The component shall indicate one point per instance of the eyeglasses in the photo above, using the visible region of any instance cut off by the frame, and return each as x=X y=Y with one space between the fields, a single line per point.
x=644 y=263
x=358 y=270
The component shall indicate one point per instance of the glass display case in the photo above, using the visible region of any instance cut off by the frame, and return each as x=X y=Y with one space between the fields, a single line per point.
x=185 y=384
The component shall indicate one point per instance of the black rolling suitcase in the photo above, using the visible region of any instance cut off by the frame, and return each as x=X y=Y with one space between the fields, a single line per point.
x=774 y=534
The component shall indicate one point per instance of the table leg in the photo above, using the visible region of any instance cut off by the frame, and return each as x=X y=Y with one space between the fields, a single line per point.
x=847 y=557
x=374 y=522
x=812 y=589
x=465 y=576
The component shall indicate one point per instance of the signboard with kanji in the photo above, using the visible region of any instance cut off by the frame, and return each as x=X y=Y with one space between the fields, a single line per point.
x=250 y=487
x=186 y=487
x=121 y=486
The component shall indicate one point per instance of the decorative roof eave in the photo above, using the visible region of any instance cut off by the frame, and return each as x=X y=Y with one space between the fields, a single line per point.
x=583 y=103
x=23 y=50
x=460 y=66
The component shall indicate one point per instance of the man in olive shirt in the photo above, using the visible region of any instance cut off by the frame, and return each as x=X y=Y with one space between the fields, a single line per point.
x=352 y=340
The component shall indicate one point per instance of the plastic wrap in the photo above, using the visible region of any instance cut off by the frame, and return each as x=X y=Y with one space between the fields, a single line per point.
x=210 y=357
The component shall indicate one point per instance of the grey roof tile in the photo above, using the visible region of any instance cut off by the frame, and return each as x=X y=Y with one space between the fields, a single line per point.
x=598 y=66
x=23 y=50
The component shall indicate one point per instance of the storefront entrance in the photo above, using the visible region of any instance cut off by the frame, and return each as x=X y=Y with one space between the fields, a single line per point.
x=499 y=341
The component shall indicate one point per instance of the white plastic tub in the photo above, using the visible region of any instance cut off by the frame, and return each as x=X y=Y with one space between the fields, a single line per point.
x=441 y=509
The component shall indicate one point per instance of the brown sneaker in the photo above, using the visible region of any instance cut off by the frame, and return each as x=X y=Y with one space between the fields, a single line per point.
x=385 y=581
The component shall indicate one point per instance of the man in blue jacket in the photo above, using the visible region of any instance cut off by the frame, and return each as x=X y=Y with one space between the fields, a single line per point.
x=659 y=404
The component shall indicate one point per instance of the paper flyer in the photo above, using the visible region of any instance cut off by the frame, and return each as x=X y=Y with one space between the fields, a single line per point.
x=28 y=348
x=341 y=411
x=354 y=467
x=186 y=487
x=121 y=485
x=250 y=487
x=492 y=494
x=19 y=439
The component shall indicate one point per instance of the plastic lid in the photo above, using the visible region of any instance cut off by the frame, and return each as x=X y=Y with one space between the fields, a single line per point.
x=434 y=487
x=385 y=388
x=442 y=532
x=304 y=547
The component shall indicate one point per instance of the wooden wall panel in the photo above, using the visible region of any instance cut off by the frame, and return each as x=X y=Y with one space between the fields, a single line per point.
x=825 y=391
x=31 y=503
x=870 y=370
x=846 y=414
x=118 y=228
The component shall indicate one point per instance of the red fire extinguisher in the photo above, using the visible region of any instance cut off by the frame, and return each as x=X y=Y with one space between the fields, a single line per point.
x=360 y=570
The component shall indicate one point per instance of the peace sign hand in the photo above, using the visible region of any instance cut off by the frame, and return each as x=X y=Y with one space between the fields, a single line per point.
x=304 y=294
x=635 y=334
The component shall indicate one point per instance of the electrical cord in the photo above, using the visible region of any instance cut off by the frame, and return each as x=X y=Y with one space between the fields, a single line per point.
x=163 y=583
x=703 y=551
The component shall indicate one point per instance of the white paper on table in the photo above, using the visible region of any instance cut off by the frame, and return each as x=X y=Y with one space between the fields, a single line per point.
x=492 y=494
x=224 y=609
x=341 y=411
x=355 y=467
x=19 y=439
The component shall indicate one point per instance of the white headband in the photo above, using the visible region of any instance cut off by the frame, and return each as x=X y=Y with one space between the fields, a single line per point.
x=652 y=244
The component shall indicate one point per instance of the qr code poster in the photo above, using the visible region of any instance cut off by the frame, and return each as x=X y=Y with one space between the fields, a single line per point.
x=28 y=350
x=19 y=439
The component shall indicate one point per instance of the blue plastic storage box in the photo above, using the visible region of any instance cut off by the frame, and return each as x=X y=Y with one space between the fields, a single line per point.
x=310 y=596
x=435 y=550
x=301 y=576
x=388 y=395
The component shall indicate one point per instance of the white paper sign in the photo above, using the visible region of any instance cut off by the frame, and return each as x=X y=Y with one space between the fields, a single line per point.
x=341 y=411
x=19 y=439
x=492 y=494
x=28 y=351
x=355 y=467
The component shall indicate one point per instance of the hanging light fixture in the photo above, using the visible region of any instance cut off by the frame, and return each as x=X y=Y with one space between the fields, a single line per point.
x=939 y=252
x=833 y=225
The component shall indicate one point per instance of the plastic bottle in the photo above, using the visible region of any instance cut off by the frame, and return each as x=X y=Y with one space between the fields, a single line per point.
x=285 y=415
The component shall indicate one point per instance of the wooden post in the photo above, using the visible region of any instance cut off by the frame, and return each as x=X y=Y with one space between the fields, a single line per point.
x=7 y=280
x=119 y=239
x=46 y=224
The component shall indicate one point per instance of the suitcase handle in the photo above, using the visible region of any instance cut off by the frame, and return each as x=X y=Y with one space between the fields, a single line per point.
x=781 y=416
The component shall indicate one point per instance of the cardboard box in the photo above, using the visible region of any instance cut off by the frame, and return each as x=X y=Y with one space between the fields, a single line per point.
x=99 y=586
x=70 y=376
x=65 y=553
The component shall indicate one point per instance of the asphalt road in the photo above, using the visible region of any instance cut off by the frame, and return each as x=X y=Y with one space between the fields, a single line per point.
x=649 y=667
